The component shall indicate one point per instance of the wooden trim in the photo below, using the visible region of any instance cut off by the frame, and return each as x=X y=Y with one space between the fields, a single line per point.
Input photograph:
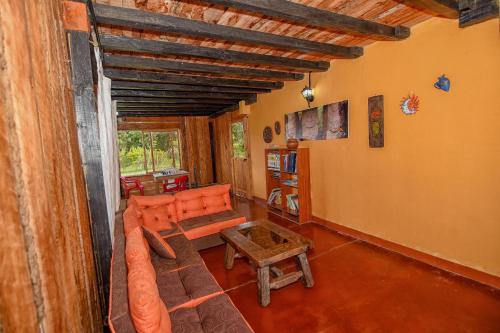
x=75 y=16
x=443 y=264
x=128 y=44
x=443 y=8
x=142 y=20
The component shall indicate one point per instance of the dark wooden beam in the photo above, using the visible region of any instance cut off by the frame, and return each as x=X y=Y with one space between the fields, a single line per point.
x=133 y=85
x=150 y=100
x=163 y=114
x=131 y=75
x=190 y=67
x=90 y=151
x=230 y=108
x=310 y=16
x=128 y=44
x=115 y=94
x=443 y=8
x=476 y=11
x=121 y=106
x=142 y=20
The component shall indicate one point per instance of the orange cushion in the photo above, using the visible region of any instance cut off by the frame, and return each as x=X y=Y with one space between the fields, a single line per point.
x=158 y=244
x=213 y=228
x=152 y=201
x=130 y=219
x=137 y=252
x=216 y=198
x=157 y=218
x=147 y=310
x=189 y=204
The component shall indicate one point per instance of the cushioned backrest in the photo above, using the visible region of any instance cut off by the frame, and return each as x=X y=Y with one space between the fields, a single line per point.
x=189 y=204
x=216 y=198
x=147 y=310
x=157 y=211
x=130 y=219
x=137 y=252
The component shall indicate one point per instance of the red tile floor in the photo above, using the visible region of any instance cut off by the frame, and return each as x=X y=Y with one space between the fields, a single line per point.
x=358 y=288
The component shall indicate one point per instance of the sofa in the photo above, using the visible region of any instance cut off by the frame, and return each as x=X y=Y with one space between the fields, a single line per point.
x=159 y=282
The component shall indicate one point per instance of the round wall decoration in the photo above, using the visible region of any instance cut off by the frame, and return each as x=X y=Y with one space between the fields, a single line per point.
x=277 y=128
x=409 y=105
x=267 y=134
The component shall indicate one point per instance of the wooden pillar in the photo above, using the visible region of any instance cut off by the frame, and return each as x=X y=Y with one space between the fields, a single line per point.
x=77 y=27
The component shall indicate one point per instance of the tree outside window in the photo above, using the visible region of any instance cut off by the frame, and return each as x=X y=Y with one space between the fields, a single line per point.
x=238 y=136
x=144 y=152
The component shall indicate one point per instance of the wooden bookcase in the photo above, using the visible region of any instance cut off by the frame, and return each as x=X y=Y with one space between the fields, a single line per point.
x=275 y=178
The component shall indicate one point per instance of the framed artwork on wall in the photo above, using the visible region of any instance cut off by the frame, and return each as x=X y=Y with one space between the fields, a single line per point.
x=321 y=123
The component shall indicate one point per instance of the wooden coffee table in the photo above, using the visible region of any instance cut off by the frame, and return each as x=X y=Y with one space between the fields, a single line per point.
x=264 y=244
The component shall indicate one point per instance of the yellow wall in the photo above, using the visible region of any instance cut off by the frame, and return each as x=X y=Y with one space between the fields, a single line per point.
x=435 y=186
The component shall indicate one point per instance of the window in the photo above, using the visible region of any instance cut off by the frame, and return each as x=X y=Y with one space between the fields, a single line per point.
x=238 y=135
x=143 y=152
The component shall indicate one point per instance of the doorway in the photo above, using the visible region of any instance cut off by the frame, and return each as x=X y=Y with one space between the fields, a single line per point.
x=241 y=161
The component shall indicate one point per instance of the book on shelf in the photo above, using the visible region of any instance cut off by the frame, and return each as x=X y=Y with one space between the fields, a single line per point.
x=274 y=197
x=273 y=161
x=292 y=201
x=290 y=182
x=290 y=162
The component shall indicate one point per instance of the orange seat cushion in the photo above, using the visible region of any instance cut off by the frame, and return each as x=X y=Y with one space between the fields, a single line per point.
x=216 y=198
x=189 y=204
x=147 y=310
x=158 y=244
x=149 y=207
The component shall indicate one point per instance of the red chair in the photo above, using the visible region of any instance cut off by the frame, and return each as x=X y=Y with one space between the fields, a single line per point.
x=179 y=184
x=129 y=184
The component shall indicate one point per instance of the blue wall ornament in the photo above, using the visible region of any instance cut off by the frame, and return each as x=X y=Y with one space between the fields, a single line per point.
x=443 y=83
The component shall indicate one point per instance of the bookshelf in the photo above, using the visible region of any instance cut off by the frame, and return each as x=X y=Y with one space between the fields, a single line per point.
x=287 y=177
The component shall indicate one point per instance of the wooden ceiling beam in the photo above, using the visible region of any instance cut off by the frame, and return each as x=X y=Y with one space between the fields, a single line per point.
x=476 y=11
x=310 y=16
x=151 y=100
x=443 y=8
x=169 y=106
x=132 y=75
x=190 y=67
x=129 y=44
x=142 y=20
x=133 y=85
x=163 y=114
x=115 y=94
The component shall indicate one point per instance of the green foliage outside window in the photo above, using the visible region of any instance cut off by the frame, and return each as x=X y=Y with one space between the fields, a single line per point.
x=143 y=152
x=238 y=135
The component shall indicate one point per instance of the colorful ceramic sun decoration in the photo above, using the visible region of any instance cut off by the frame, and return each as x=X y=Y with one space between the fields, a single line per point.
x=409 y=105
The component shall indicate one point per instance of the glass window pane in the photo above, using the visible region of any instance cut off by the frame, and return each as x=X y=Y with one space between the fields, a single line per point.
x=166 y=150
x=238 y=135
x=147 y=152
x=131 y=153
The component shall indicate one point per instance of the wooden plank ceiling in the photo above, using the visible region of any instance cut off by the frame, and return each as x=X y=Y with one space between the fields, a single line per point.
x=202 y=57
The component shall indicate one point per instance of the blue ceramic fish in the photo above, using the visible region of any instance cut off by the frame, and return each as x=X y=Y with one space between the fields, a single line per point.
x=443 y=83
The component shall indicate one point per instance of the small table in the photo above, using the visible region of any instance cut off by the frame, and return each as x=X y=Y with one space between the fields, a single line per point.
x=159 y=178
x=264 y=244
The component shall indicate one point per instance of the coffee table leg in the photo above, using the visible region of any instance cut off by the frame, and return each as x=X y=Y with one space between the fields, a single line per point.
x=303 y=264
x=263 y=286
x=229 y=258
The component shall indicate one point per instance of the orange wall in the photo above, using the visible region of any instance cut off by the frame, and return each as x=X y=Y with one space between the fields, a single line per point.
x=435 y=186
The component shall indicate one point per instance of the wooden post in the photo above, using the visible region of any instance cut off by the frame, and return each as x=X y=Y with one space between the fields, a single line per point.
x=76 y=23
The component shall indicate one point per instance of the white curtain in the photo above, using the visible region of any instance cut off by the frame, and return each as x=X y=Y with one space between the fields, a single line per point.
x=106 y=116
